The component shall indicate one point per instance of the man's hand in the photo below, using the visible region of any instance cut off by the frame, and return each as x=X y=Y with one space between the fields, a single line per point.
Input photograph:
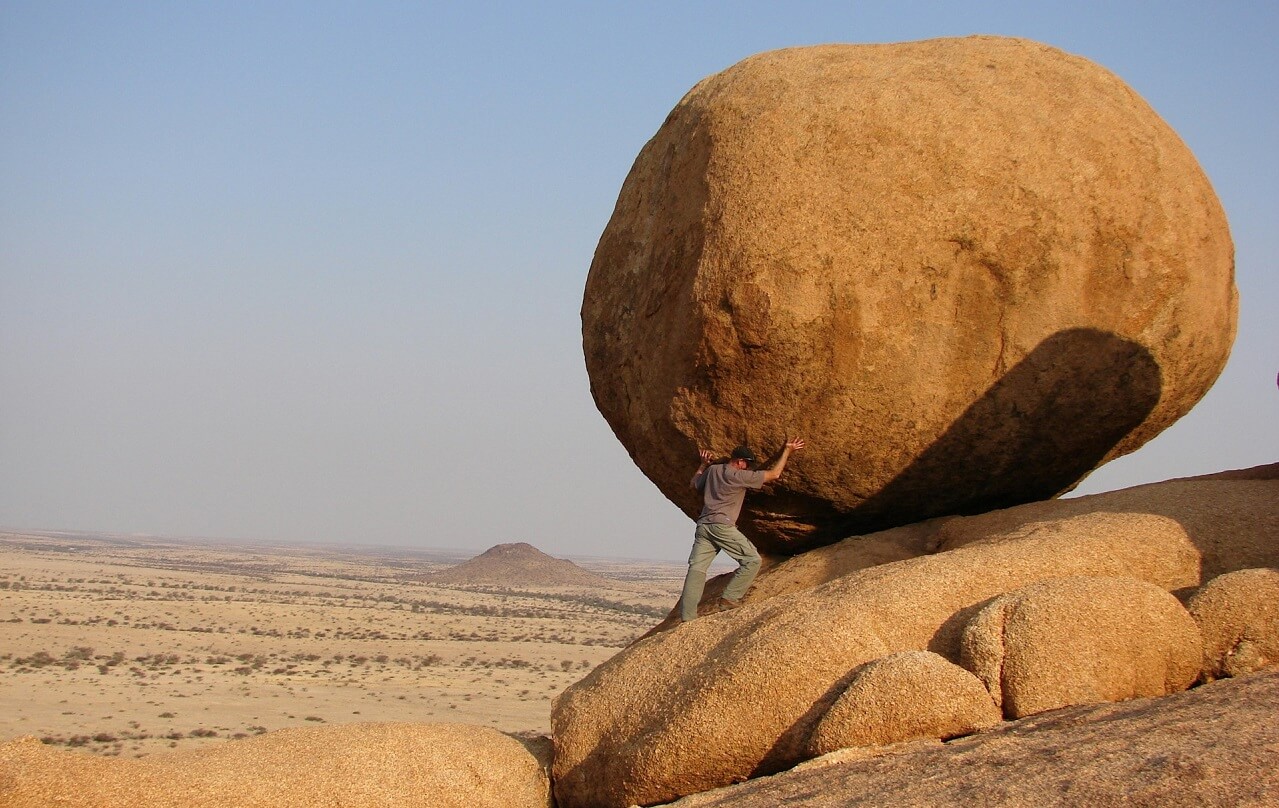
x=707 y=457
x=792 y=445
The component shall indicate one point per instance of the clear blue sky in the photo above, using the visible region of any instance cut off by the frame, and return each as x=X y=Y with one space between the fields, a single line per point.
x=312 y=271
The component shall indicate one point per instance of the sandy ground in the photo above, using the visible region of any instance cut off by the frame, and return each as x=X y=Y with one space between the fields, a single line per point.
x=126 y=646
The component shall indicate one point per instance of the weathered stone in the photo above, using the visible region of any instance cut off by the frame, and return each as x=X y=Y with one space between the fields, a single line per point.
x=903 y=697
x=969 y=271
x=736 y=695
x=374 y=765
x=1216 y=746
x=1081 y=640
x=1238 y=614
x=1233 y=522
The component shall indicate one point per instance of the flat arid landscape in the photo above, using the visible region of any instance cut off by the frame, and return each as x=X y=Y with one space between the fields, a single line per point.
x=121 y=645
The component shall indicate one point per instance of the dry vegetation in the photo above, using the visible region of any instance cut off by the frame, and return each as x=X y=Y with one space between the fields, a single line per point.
x=124 y=646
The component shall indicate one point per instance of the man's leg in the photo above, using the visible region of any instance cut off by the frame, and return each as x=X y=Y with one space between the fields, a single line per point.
x=739 y=548
x=699 y=560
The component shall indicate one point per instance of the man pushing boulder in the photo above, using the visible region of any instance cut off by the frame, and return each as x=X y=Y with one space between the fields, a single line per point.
x=723 y=485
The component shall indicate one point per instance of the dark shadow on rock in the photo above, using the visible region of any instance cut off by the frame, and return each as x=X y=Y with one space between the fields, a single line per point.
x=789 y=749
x=945 y=641
x=1033 y=435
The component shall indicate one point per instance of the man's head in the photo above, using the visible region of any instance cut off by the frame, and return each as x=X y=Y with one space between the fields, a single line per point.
x=742 y=458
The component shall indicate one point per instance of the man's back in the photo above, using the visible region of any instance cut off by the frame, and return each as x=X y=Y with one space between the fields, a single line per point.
x=723 y=491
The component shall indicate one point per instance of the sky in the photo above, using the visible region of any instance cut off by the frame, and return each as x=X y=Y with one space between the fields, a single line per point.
x=312 y=271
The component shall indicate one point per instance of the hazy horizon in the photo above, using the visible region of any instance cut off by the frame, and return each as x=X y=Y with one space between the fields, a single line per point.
x=366 y=550
x=293 y=273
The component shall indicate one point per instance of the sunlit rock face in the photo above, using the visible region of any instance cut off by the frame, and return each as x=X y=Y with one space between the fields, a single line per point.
x=1239 y=615
x=1080 y=640
x=968 y=271
x=367 y=765
x=1048 y=603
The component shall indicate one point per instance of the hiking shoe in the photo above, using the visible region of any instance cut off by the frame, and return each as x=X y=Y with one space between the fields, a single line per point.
x=724 y=604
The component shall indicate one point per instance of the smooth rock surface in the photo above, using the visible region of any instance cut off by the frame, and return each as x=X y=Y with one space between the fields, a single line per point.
x=353 y=766
x=903 y=697
x=1238 y=614
x=1081 y=640
x=968 y=270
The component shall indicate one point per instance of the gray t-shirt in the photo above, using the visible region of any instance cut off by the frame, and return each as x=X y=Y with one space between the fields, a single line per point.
x=723 y=491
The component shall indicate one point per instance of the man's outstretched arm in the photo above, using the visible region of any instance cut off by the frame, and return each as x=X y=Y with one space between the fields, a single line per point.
x=775 y=470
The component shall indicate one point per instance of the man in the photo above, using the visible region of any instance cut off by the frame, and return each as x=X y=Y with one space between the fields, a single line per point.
x=723 y=486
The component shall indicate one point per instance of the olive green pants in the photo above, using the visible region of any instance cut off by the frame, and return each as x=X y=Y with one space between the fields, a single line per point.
x=707 y=542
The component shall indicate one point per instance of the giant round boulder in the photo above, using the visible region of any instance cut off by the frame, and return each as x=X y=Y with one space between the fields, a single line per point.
x=968 y=271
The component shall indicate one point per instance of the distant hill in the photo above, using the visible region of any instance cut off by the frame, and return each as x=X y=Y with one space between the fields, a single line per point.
x=520 y=565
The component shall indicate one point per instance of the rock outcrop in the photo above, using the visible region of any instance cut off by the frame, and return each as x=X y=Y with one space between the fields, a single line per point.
x=1216 y=746
x=1081 y=640
x=356 y=765
x=903 y=697
x=1231 y=518
x=968 y=270
x=1238 y=614
x=668 y=716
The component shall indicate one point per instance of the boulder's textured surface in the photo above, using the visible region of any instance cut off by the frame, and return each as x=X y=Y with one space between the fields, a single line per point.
x=1216 y=745
x=374 y=765
x=1238 y=614
x=1081 y=640
x=667 y=718
x=968 y=270
x=902 y=697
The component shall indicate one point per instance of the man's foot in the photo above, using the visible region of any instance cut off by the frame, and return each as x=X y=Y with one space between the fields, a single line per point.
x=724 y=604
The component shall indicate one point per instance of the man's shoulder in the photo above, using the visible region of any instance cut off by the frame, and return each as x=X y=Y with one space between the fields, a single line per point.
x=746 y=477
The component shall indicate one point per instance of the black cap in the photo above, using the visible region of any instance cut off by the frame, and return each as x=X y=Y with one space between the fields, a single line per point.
x=744 y=453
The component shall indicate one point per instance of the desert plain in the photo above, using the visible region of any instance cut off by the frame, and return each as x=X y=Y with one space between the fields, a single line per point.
x=126 y=645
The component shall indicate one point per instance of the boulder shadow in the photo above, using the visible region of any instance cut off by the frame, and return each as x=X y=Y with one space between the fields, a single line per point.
x=1033 y=435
